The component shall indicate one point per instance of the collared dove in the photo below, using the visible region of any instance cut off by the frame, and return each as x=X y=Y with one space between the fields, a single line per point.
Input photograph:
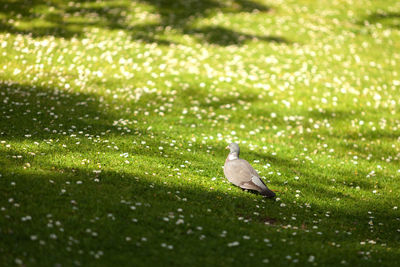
x=240 y=173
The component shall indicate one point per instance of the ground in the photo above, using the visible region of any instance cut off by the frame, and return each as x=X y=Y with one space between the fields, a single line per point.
x=115 y=116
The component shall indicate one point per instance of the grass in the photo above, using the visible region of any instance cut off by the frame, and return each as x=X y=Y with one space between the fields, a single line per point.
x=115 y=116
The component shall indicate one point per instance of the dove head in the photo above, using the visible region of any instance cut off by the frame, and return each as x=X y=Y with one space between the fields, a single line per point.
x=234 y=151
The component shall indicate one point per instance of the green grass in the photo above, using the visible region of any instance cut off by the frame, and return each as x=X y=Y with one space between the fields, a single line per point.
x=114 y=117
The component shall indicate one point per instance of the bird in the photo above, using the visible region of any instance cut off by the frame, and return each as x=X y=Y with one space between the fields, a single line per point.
x=240 y=173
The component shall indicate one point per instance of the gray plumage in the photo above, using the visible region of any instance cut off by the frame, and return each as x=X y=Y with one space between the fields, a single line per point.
x=240 y=173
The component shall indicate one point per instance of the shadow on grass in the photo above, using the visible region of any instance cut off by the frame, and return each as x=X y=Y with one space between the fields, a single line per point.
x=385 y=18
x=222 y=36
x=34 y=112
x=105 y=208
x=67 y=20
x=39 y=18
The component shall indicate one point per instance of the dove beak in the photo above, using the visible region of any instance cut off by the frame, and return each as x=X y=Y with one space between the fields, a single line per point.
x=227 y=147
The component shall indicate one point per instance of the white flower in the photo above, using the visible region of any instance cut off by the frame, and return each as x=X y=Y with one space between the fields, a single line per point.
x=233 y=244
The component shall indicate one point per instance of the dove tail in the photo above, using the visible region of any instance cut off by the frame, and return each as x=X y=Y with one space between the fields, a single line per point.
x=268 y=193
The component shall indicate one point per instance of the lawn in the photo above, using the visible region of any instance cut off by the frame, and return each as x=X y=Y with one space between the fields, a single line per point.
x=115 y=115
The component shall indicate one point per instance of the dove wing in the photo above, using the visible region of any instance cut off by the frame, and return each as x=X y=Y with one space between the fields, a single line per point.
x=241 y=173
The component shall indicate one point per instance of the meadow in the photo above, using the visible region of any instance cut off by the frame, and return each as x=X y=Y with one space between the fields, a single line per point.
x=115 y=115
